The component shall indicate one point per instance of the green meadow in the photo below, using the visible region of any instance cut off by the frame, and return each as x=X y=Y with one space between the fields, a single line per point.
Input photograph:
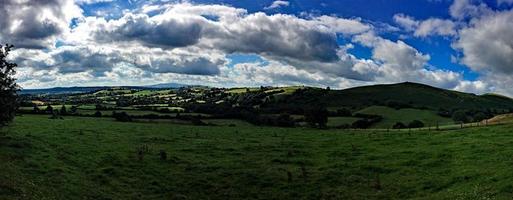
x=98 y=158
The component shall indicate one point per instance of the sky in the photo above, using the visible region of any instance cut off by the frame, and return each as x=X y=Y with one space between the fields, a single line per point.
x=464 y=45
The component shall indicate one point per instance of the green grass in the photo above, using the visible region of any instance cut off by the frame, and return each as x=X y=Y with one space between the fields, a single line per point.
x=339 y=121
x=406 y=115
x=95 y=158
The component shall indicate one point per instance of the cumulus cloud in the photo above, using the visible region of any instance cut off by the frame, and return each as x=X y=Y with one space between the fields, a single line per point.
x=277 y=4
x=487 y=44
x=428 y=27
x=35 y=24
x=461 y=9
x=188 y=43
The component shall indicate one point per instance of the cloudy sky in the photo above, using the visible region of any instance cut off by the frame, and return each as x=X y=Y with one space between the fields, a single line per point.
x=465 y=45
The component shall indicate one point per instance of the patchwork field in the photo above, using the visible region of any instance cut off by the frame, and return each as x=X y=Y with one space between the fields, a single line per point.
x=98 y=158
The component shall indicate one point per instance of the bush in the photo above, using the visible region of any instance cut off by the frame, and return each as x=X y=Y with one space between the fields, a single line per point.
x=316 y=117
x=415 y=124
x=460 y=116
x=399 y=125
x=344 y=112
x=284 y=120
x=98 y=114
x=361 y=124
x=121 y=116
x=197 y=121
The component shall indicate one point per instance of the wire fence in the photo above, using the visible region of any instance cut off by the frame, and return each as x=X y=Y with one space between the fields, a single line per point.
x=440 y=126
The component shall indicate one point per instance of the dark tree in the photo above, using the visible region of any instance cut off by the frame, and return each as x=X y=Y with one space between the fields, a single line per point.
x=49 y=109
x=63 y=110
x=316 y=116
x=98 y=114
x=460 y=116
x=8 y=87
x=36 y=109
x=121 y=116
x=73 y=109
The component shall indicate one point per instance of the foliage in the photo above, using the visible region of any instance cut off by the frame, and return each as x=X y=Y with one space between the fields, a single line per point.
x=460 y=116
x=316 y=116
x=121 y=116
x=8 y=87
x=399 y=125
x=415 y=124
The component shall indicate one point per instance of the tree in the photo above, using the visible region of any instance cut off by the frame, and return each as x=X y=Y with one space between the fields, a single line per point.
x=460 y=116
x=316 y=116
x=63 y=110
x=8 y=87
x=98 y=114
x=36 y=109
x=49 y=109
x=73 y=109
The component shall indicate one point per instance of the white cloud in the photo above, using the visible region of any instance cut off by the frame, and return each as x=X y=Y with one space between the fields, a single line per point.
x=428 y=27
x=461 y=9
x=183 y=42
x=35 y=24
x=487 y=43
x=407 y=22
x=434 y=26
x=277 y=4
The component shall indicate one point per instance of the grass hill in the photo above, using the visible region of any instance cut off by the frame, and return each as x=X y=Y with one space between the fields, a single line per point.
x=407 y=93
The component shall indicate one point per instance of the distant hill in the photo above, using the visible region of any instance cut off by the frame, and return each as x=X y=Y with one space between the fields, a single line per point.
x=61 y=90
x=167 y=85
x=407 y=93
x=74 y=90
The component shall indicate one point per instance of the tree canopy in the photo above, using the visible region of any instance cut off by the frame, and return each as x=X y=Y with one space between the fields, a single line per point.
x=8 y=87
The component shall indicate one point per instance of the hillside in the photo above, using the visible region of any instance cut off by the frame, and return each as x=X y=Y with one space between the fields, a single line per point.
x=406 y=94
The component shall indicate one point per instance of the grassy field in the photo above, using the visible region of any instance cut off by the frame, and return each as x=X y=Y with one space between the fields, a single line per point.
x=339 y=121
x=406 y=115
x=97 y=158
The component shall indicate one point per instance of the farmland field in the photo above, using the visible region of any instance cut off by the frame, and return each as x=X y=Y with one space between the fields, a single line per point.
x=405 y=115
x=98 y=158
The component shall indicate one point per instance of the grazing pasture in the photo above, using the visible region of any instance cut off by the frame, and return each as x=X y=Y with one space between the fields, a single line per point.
x=404 y=115
x=98 y=158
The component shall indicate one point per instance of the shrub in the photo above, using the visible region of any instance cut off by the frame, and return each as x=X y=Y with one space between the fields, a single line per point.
x=415 y=124
x=399 y=125
x=316 y=116
x=460 y=116
x=284 y=120
x=344 y=112
x=361 y=124
x=121 y=116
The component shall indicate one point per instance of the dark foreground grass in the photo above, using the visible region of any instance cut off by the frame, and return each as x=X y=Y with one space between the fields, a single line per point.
x=91 y=158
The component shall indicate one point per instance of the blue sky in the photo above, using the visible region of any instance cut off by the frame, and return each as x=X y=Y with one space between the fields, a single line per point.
x=455 y=44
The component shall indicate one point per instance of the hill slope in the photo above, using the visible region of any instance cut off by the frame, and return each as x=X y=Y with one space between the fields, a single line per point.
x=409 y=94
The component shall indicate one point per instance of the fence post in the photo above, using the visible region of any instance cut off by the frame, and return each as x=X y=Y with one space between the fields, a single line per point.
x=437 y=126
x=461 y=124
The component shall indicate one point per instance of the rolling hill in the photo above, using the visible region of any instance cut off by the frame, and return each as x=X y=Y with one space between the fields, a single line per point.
x=406 y=94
